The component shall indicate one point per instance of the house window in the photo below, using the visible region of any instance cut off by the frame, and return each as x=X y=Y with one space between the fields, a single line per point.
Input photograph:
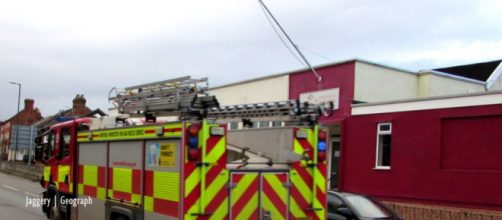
x=383 y=148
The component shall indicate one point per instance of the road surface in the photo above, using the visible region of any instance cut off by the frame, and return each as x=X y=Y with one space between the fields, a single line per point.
x=14 y=192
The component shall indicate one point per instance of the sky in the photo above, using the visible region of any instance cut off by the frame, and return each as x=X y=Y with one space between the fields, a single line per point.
x=57 y=49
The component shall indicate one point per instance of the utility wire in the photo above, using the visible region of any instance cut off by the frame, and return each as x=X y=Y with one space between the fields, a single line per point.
x=315 y=53
x=280 y=37
x=319 y=79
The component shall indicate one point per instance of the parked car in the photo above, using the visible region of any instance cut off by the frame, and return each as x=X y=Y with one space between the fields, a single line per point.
x=349 y=206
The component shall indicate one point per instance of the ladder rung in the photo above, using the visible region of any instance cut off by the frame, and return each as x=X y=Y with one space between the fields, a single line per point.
x=183 y=78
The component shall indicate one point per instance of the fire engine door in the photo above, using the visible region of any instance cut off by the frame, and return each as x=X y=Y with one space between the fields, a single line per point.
x=259 y=195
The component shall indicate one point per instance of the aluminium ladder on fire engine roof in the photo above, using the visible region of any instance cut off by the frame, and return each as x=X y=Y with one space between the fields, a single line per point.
x=163 y=98
x=185 y=97
x=291 y=110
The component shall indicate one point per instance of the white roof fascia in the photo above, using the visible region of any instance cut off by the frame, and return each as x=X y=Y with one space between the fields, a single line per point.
x=494 y=76
x=440 y=102
x=451 y=76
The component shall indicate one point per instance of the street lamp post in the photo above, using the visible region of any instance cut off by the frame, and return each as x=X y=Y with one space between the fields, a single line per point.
x=17 y=120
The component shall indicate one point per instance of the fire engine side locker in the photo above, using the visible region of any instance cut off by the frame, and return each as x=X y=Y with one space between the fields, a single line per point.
x=91 y=178
x=124 y=179
x=162 y=177
x=137 y=176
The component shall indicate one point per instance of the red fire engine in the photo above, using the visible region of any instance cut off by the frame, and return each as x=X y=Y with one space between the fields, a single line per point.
x=191 y=168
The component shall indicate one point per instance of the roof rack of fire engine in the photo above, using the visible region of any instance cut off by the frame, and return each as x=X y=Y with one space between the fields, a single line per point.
x=188 y=99
x=291 y=110
x=181 y=96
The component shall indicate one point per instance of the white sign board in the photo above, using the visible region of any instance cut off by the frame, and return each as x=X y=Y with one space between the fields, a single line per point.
x=323 y=96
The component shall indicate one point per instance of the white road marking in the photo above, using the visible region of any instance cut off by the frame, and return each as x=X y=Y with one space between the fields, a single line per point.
x=31 y=194
x=10 y=187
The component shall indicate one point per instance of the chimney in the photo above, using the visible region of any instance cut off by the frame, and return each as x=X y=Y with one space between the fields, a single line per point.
x=79 y=101
x=29 y=104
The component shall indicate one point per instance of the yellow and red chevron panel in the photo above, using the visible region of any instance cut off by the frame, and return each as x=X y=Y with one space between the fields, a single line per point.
x=244 y=196
x=306 y=199
x=91 y=181
x=210 y=202
x=274 y=196
x=162 y=192
x=254 y=194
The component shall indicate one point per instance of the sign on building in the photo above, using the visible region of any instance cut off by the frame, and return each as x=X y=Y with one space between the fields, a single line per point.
x=322 y=96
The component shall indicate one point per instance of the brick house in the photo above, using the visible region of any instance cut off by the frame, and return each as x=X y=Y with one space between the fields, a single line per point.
x=21 y=122
x=78 y=109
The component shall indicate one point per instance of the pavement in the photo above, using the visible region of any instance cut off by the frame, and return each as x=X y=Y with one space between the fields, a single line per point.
x=21 y=169
x=14 y=194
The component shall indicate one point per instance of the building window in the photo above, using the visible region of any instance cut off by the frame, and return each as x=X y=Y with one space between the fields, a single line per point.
x=234 y=125
x=383 y=148
x=276 y=123
x=264 y=124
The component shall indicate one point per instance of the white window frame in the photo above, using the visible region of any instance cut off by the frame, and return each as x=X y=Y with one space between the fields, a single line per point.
x=380 y=132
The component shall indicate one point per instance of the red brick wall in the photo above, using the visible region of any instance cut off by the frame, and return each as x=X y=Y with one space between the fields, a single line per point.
x=28 y=115
x=79 y=108
x=428 y=212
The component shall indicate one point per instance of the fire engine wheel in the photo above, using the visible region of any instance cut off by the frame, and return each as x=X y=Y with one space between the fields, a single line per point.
x=53 y=211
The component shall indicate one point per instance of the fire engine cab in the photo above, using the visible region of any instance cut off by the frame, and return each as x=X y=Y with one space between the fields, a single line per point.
x=189 y=168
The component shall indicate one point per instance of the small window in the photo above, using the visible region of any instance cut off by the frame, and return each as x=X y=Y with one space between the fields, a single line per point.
x=65 y=141
x=264 y=124
x=233 y=125
x=49 y=143
x=276 y=123
x=384 y=141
